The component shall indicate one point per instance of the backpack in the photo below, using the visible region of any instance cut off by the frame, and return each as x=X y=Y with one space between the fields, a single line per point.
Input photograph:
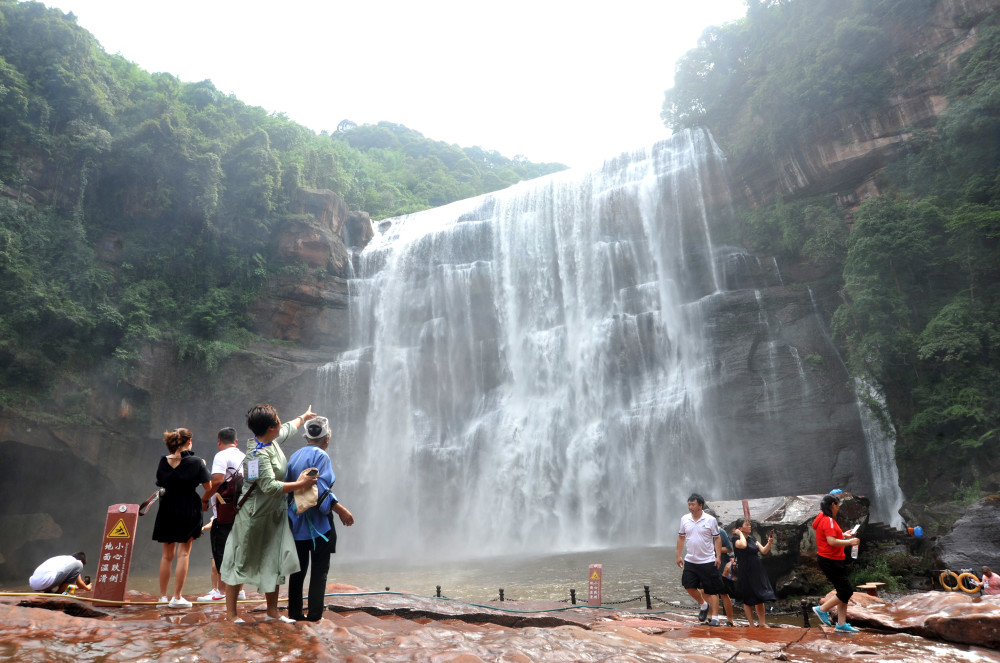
x=731 y=571
x=229 y=492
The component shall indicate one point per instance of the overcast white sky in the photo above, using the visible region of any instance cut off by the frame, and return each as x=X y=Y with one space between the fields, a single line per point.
x=553 y=80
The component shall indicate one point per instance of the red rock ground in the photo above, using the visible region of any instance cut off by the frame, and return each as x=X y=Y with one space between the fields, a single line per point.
x=367 y=627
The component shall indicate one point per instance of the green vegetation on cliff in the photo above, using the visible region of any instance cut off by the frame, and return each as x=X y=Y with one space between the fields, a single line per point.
x=135 y=207
x=764 y=80
x=918 y=273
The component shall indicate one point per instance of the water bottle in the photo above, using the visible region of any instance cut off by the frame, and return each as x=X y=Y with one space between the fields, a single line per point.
x=850 y=533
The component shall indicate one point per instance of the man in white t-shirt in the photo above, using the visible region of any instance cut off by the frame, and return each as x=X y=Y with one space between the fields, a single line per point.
x=56 y=574
x=227 y=462
x=699 y=533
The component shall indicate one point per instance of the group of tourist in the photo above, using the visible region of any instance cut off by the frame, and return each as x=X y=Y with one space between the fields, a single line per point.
x=272 y=515
x=719 y=565
x=260 y=534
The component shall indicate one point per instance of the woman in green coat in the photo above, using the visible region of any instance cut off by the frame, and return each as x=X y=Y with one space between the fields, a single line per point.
x=260 y=549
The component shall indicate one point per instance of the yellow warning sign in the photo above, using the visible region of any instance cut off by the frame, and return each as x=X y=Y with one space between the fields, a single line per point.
x=119 y=531
x=595 y=576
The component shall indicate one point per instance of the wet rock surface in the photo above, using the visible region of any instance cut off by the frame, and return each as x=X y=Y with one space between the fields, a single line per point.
x=972 y=542
x=364 y=627
x=950 y=616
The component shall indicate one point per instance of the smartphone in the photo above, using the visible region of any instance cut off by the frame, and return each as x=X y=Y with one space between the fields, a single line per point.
x=313 y=472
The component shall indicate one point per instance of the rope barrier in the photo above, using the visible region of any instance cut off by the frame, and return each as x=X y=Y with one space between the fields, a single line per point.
x=116 y=603
x=604 y=606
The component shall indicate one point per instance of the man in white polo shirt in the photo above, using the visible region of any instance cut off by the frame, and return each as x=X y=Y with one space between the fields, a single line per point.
x=227 y=462
x=699 y=533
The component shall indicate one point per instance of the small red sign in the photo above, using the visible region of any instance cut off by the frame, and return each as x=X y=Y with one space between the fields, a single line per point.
x=116 y=552
x=594 y=585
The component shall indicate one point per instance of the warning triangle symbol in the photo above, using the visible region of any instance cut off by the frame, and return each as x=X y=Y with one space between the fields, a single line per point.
x=594 y=576
x=119 y=531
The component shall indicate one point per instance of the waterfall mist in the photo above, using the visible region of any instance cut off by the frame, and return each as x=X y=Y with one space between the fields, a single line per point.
x=545 y=368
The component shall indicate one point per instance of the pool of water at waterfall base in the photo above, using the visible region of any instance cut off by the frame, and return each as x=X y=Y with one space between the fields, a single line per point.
x=540 y=577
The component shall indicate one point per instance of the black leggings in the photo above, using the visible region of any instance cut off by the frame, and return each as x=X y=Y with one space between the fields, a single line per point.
x=320 y=557
x=835 y=571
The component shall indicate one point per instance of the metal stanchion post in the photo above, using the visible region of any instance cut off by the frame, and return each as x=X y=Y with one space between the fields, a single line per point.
x=649 y=604
x=501 y=594
x=572 y=596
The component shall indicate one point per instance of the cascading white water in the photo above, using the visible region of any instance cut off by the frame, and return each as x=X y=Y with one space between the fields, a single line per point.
x=535 y=376
x=881 y=438
x=539 y=369
x=880 y=441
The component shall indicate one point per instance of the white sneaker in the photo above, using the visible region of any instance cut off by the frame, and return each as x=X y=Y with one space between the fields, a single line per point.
x=214 y=595
x=242 y=596
x=179 y=603
x=164 y=599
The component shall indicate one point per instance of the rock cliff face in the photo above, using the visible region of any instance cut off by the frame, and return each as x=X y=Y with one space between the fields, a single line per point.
x=308 y=307
x=774 y=359
x=972 y=543
x=846 y=154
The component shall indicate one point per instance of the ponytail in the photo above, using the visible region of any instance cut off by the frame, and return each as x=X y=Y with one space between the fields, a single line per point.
x=175 y=439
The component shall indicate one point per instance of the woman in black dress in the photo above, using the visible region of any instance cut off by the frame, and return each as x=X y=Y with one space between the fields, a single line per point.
x=752 y=580
x=178 y=519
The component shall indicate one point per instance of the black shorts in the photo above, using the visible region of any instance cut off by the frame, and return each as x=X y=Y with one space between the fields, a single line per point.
x=835 y=571
x=705 y=577
x=218 y=536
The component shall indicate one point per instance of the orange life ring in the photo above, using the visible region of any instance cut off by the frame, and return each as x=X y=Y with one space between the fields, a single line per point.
x=974 y=583
x=944 y=576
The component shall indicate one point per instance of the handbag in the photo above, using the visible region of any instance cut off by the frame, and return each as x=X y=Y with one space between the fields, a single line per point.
x=306 y=498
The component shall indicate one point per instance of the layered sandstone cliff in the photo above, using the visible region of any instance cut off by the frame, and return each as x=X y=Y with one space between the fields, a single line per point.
x=847 y=153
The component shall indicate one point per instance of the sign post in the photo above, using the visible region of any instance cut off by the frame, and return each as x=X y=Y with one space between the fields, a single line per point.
x=116 y=552
x=594 y=585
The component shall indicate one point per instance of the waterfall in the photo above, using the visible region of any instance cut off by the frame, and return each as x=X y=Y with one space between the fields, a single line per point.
x=540 y=368
x=881 y=438
x=803 y=380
